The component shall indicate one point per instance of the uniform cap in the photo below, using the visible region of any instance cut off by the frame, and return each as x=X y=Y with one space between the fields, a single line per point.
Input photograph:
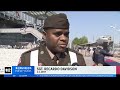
x=57 y=21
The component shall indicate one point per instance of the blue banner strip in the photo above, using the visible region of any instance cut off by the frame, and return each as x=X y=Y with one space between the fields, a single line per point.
x=63 y=75
x=75 y=75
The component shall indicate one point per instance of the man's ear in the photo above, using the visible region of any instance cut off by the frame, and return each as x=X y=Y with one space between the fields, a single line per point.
x=44 y=35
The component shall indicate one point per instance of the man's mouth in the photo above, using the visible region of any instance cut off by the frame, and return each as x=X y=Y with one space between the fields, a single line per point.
x=63 y=45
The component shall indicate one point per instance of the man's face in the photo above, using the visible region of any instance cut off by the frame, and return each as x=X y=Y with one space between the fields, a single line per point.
x=57 y=40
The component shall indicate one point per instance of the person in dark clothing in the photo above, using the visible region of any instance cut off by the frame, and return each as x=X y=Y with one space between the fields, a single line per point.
x=94 y=56
x=99 y=55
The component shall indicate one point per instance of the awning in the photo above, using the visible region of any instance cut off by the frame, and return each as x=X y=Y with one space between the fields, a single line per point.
x=41 y=15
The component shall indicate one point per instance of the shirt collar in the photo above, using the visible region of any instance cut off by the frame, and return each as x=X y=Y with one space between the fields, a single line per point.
x=50 y=53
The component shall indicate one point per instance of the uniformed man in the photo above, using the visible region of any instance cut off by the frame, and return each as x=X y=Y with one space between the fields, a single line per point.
x=54 y=51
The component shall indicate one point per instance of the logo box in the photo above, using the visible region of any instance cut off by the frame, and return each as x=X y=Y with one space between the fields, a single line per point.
x=7 y=69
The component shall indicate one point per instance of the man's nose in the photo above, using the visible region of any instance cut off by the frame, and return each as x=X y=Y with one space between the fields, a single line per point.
x=63 y=37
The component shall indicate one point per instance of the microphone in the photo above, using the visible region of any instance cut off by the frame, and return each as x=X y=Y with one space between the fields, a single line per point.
x=75 y=64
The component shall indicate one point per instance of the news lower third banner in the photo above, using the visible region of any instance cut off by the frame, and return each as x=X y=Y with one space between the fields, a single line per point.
x=60 y=71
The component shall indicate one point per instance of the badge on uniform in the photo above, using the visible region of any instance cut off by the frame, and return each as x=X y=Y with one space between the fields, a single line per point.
x=40 y=64
x=42 y=52
x=19 y=61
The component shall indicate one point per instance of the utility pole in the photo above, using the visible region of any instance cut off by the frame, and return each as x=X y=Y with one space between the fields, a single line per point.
x=113 y=35
x=115 y=29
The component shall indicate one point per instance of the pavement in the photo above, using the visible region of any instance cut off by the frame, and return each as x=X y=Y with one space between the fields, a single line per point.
x=89 y=61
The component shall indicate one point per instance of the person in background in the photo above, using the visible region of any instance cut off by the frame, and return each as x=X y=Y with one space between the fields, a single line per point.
x=99 y=56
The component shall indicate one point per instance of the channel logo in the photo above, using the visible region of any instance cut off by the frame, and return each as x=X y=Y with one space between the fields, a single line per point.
x=7 y=69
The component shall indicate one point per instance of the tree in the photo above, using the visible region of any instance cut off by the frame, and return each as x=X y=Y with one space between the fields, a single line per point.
x=83 y=40
x=78 y=41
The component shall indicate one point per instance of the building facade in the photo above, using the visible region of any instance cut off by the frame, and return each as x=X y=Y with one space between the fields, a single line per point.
x=21 y=19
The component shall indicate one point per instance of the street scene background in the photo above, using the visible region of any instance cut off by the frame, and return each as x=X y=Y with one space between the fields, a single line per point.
x=21 y=31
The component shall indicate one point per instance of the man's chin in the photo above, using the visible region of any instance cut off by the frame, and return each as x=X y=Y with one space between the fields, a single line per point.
x=61 y=50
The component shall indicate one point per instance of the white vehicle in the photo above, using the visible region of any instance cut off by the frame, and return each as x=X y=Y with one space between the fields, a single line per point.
x=103 y=39
x=106 y=42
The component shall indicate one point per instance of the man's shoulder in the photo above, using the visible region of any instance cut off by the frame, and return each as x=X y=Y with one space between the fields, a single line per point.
x=29 y=51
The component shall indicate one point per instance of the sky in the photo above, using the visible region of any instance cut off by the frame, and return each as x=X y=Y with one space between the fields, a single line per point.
x=93 y=24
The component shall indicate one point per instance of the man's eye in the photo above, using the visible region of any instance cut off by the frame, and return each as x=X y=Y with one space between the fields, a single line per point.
x=58 y=34
x=66 y=34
